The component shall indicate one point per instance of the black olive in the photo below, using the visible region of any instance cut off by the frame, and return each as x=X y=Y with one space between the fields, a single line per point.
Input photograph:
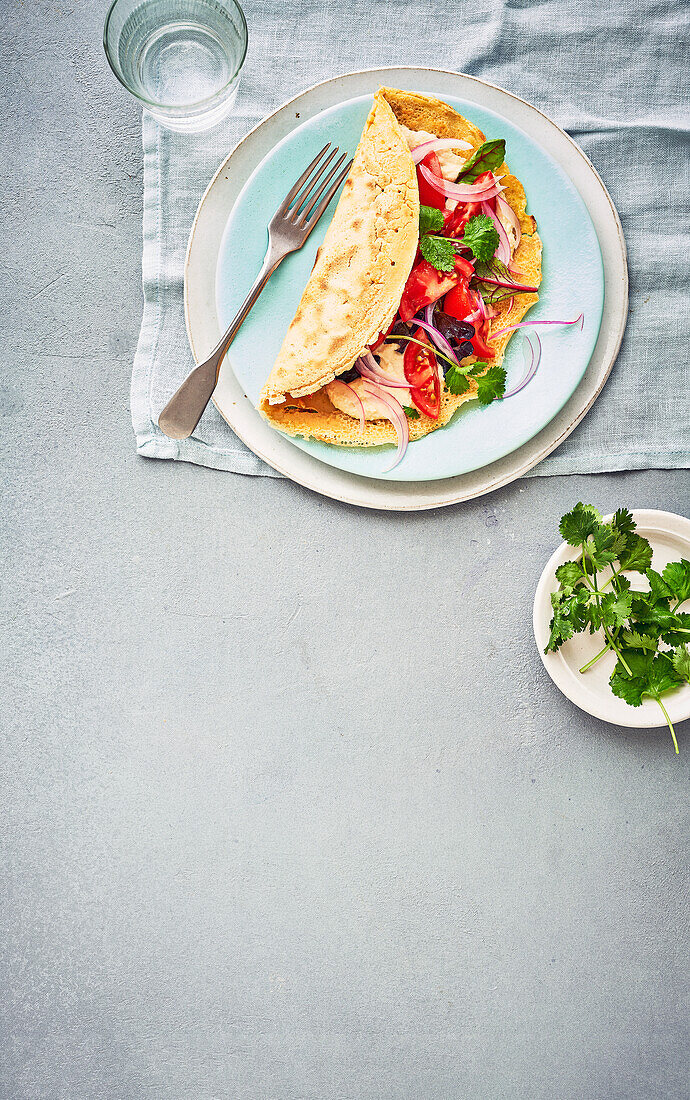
x=451 y=328
x=349 y=375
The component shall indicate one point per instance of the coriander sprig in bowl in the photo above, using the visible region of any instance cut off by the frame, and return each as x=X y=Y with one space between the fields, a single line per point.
x=607 y=588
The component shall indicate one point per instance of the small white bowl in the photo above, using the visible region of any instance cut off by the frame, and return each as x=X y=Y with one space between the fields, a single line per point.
x=669 y=536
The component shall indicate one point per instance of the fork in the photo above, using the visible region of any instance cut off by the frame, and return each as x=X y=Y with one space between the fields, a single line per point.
x=288 y=230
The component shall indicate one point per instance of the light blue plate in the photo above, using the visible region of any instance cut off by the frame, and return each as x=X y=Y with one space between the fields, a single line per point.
x=572 y=283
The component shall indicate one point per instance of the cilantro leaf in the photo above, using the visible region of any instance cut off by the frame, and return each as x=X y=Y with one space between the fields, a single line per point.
x=477 y=367
x=602 y=550
x=491 y=385
x=430 y=220
x=634 y=640
x=569 y=574
x=487 y=158
x=651 y=676
x=569 y=616
x=481 y=236
x=623 y=522
x=677 y=577
x=681 y=662
x=410 y=413
x=679 y=631
x=456 y=381
x=616 y=608
x=658 y=589
x=656 y=618
x=627 y=687
x=637 y=556
x=437 y=252
x=578 y=525
x=662 y=676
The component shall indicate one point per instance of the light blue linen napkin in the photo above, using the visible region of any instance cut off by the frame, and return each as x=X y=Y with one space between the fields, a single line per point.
x=613 y=75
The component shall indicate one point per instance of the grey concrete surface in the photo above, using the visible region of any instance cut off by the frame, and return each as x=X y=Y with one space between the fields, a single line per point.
x=289 y=806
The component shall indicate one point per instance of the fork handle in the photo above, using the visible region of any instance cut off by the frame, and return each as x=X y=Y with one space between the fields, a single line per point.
x=183 y=411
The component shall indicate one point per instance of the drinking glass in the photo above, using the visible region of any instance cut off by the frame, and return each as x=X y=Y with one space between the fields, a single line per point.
x=180 y=58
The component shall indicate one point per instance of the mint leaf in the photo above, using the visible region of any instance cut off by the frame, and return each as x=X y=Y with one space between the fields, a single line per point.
x=456 y=381
x=430 y=220
x=491 y=385
x=481 y=236
x=578 y=525
x=677 y=577
x=487 y=158
x=438 y=252
x=410 y=413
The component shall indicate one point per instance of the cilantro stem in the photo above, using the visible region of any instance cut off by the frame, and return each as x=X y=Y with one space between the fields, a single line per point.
x=435 y=351
x=595 y=659
x=593 y=588
x=670 y=725
x=612 y=578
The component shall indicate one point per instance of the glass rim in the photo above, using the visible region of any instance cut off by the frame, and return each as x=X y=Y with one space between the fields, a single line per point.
x=157 y=102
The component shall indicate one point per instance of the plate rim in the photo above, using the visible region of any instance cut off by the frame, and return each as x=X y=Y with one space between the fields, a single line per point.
x=413 y=496
x=647 y=519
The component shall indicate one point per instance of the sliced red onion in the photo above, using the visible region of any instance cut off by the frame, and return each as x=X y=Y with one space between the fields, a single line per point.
x=462 y=191
x=369 y=368
x=510 y=216
x=478 y=314
x=397 y=418
x=531 y=369
x=353 y=393
x=441 y=343
x=511 y=303
x=420 y=151
x=533 y=324
x=509 y=286
x=503 y=251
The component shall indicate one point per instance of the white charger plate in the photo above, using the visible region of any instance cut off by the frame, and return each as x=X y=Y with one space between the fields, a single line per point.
x=669 y=535
x=204 y=330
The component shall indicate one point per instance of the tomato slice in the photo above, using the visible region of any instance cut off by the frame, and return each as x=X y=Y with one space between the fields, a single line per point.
x=459 y=302
x=426 y=285
x=481 y=347
x=428 y=195
x=456 y=220
x=422 y=374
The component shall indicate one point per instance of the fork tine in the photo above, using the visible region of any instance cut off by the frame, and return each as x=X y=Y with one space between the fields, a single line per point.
x=314 y=199
x=295 y=188
x=303 y=194
x=327 y=197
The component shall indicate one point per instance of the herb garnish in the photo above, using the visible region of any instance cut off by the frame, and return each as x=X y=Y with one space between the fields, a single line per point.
x=487 y=158
x=490 y=386
x=481 y=237
x=410 y=413
x=438 y=251
x=634 y=623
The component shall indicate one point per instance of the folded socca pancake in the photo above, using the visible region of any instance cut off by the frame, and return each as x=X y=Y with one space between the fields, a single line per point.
x=354 y=290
